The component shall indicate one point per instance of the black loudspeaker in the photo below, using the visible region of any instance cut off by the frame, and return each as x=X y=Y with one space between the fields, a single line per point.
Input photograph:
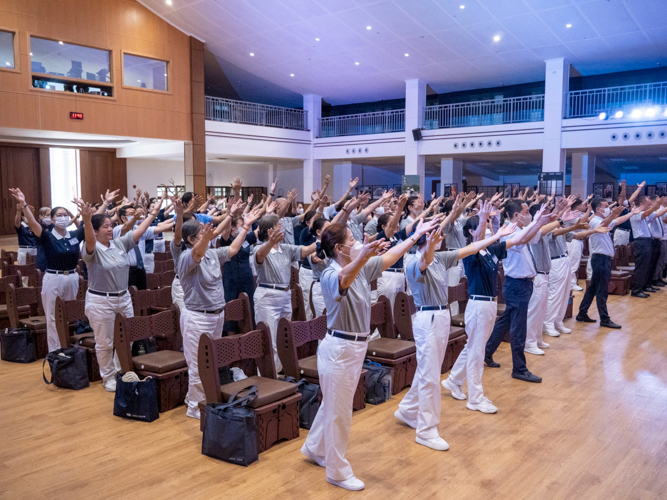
x=417 y=134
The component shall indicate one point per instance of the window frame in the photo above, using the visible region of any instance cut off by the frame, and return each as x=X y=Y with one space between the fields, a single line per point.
x=17 y=55
x=145 y=56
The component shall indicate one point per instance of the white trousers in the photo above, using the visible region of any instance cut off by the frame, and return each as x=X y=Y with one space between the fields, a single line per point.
x=305 y=279
x=621 y=237
x=574 y=249
x=56 y=285
x=149 y=262
x=101 y=312
x=159 y=245
x=421 y=405
x=339 y=364
x=407 y=258
x=537 y=310
x=318 y=299
x=389 y=284
x=177 y=294
x=480 y=316
x=21 y=259
x=559 y=291
x=454 y=275
x=270 y=306
x=193 y=326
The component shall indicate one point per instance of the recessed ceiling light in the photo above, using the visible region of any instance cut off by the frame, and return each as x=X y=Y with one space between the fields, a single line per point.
x=291 y=74
x=369 y=27
x=462 y=6
x=139 y=81
x=31 y=53
x=496 y=38
x=356 y=63
x=317 y=39
x=252 y=54
x=407 y=55
x=568 y=25
x=61 y=43
x=168 y=2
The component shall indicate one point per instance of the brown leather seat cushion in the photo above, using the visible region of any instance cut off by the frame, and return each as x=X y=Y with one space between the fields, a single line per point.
x=268 y=390
x=34 y=322
x=619 y=273
x=159 y=362
x=3 y=310
x=501 y=309
x=390 y=348
x=459 y=320
x=456 y=332
x=88 y=342
x=308 y=367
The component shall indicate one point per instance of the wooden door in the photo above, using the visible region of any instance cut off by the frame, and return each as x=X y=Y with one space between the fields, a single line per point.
x=101 y=170
x=19 y=168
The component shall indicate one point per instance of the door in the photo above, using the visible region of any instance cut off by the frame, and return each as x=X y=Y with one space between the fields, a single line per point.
x=19 y=168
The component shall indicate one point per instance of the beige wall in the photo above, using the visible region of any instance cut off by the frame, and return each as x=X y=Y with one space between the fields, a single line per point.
x=116 y=25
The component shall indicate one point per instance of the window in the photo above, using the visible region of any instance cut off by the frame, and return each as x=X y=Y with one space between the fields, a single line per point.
x=6 y=49
x=144 y=73
x=65 y=177
x=171 y=190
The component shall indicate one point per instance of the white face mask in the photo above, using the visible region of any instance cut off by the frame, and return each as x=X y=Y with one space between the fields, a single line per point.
x=299 y=211
x=606 y=212
x=525 y=219
x=46 y=221
x=62 y=222
x=379 y=211
x=355 y=249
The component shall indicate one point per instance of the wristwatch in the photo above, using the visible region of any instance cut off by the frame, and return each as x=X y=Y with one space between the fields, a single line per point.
x=560 y=221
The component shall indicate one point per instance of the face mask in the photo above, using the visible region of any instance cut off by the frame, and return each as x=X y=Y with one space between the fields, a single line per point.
x=354 y=249
x=62 y=222
x=299 y=211
x=524 y=219
x=606 y=212
x=379 y=211
x=46 y=221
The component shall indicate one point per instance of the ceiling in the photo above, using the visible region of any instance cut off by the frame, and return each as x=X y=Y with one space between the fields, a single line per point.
x=449 y=47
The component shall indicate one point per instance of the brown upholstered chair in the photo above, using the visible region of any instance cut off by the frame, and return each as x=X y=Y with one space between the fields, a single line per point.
x=159 y=280
x=24 y=311
x=68 y=312
x=147 y=302
x=29 y=271
x=277 y=405
x=18 y=297
x=395 y=353
x=167 y=278
x=152 y=281
x=8 y=256
x=298 y=307
x=294 y=277
x=162 y=256
x=162 y=266
x=404 y=308
x=459 y=293
x=239 y=310
x=83 y=288
x=168 y=367
x=297 y=343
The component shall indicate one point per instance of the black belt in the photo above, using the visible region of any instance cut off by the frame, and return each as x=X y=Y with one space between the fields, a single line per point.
x=66 y=273
x=274 y=287
x=26 y=246
x=107 y=294
x=540 y=272
x=431 y=308
x=217 y=311
x=559 y=256
x=522 y=279
x=642 y=238
x=483 y=298
x=347 y=336
x=393 y=270
x=317 y=280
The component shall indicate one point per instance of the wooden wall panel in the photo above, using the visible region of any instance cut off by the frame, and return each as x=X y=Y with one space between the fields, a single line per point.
x=19 y=167
x=101 y=170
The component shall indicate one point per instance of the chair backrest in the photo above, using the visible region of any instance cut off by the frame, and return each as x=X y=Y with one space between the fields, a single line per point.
x=162 y=256
x=254 y=346
x=29 y=271
x=298 y=307
x=294 y=277
x=239 y=310
x=459 y=293
x=297 y=340
x=382 y=318
x=30 y=259
x=167 y=325
x=162 y=266
x=9 y=256
x=404 y=308
x=146 y=302
x=68 y=312
x=19 y=297
x=83 y=288
x=13 y=279
x=501 y=279
x=152 y=281
x=167 y=278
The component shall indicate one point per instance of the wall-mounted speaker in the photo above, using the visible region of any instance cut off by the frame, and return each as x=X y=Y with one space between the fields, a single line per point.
x=417 y=134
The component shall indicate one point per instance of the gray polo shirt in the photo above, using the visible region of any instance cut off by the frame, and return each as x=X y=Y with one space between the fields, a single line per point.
x=275 y=269
x=356 y=225
x=656 y=228
x=640 y=227
x=288 y=224
x=202 y=282
x=557 y=246
x=318 y=267
x=541 y=254
x=429 y=287
x=601 y=243
x=454 y=234
x=405 y=222
x=176 y=251
x=350 y=310
x=108 y=270
x=372 y=227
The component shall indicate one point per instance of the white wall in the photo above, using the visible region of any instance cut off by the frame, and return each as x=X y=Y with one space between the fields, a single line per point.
x=148 y=173
x=289 y=176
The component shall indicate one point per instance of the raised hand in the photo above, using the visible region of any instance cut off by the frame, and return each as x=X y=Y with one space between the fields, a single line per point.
x=434 y=238
x=506 y=230
x=178 y=206
x=570 y=215
x=109 y=196
x=602 y=229
x=236 y=185
x=18 y=195
x=387 y=195
x=87 y=212
x=208 y=232
x=271 y=208
x=250 y=218
x=250 y=197
x=425 y=227
x=353 y=183
x=275 y=236
x=378 y=247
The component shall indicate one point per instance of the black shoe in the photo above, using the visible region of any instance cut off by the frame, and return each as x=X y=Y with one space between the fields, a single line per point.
x=491 y=363
x=585 y=318
x=661 y=281
x=641 y=295
x=650 y=289
x=659 y=284
x=610 y=324
x=527 y=377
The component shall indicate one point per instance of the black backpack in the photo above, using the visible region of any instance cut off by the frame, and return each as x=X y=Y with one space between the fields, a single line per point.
x=18 y=345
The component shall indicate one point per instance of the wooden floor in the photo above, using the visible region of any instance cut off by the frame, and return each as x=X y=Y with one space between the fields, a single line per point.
x=595 y=428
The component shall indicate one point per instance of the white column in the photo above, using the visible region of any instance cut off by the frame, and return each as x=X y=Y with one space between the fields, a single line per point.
x=312 y=168
x=415 y=101
x=583 y=173
x=343 y=173
x=556 y=87
x=451 y=172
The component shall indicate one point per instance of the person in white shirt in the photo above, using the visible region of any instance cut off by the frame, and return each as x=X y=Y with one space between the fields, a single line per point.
x=661 y=267
x=642 y=245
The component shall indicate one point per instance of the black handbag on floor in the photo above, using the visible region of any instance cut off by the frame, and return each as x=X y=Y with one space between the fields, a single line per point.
x=311 y=398
x=230 y=430
x=68 y=368
x=378 y=382
x=18 y=345
x=137 y=399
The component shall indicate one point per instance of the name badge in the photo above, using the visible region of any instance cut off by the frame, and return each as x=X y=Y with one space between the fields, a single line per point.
x=245 y=244
x=482 y=253
x=74 y=241
x=495 y=259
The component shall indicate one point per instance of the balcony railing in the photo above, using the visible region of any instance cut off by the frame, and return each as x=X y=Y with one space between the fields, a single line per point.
x=227 y=110
x=582 y=103
x=380 y=122
x=490 y=112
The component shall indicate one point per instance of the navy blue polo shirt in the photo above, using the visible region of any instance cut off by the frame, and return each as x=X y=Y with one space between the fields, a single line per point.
x=26 y=237
x=482 y=269
x=396 y=239
x=61 y=252
x=306 y=239
x=238 y=267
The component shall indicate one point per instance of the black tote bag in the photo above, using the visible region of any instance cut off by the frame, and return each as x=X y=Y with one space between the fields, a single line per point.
x=136 y=400
x=18 y=345
x=69 y=369
x=377 y=382
x=230 y=430
x=311 y=398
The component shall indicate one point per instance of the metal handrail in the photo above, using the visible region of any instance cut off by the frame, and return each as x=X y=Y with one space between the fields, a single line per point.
x=228 y=110
x=582 y=103
x=379 y=122
x=488 y=112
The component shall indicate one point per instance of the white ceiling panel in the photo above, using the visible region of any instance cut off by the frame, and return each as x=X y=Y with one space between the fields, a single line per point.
x=529 y=30
x=558 y=19
x=648 y=13
x=609 y=18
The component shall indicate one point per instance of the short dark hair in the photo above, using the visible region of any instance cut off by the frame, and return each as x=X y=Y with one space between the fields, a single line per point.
x=333 y=235
x=122 y=211
x=449 y=204
x=267 y=222
x=308 y=215
x=187 y=197
x=317 y=225
x=340 y=206
x=55 y=209
x=189 y=230
x=533 y=209
x=383 y=220
x=98 y=220
x=639 y=200
x=471 y=225
x=513 y=206
x=576 y=203
x=596 y=202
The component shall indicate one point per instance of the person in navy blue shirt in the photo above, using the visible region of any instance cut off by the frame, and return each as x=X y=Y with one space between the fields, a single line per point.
x=27 y=240
x=61 y=252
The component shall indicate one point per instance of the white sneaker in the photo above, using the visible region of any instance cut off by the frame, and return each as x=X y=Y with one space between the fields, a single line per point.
x=534 y=350
x=561 y=328
x=110 y=385
x=542 y=345
x=436 y=443
x=577 y=288
x=351 y=483
x=193 y=413
x=551 y=332
x=485 y=406
x=309 y=454
x=399 y=415
x=456 y=391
